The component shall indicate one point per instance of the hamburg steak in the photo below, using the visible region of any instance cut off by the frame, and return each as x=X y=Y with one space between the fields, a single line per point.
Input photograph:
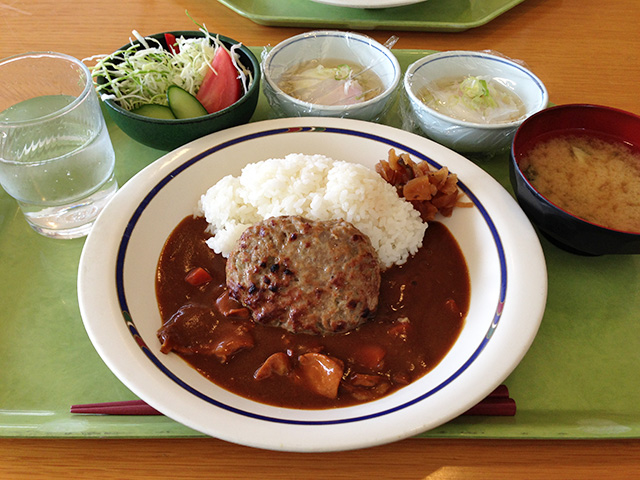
x=318 y=277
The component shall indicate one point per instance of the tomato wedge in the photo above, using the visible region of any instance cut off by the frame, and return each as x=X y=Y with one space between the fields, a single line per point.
x=170 y=38
x=221 y=86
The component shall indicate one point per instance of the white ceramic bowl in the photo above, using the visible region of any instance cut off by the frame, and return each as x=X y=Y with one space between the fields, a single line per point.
x=467 y=136
x=347 y=46
x=116 y=290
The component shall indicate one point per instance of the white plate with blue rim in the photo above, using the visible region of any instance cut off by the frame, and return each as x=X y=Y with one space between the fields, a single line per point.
x=116 y=290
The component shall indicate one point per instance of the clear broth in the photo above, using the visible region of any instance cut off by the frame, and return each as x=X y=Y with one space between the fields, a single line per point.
x=490 y=103
x=331 y=82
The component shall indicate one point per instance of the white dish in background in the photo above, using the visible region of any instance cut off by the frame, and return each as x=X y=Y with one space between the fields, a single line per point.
x=117 y=274
x=368 y=3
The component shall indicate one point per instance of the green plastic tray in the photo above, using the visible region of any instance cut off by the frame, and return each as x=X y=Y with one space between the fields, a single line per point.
x=579 y=379
x=431 y=15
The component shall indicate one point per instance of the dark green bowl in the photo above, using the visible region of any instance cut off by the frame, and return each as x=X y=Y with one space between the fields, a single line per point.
x=170 y=134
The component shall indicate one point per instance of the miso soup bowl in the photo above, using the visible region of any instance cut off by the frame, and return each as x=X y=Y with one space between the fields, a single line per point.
x=460 y=135
x=560 y=226
x=348 y=47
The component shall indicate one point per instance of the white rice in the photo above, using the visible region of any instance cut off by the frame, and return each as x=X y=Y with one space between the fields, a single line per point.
x=318 y=188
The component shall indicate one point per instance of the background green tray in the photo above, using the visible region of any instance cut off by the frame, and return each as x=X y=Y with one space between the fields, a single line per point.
x=431 y=15
x=579 y=379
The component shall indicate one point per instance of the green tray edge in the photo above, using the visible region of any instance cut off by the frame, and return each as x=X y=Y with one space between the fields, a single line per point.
x=431 y=15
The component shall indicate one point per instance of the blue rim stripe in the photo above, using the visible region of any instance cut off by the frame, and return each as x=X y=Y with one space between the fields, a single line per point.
x=124 y=243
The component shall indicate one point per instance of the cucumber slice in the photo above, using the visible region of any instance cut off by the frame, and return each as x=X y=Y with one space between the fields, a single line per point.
x=154 y=110
x=183 y=104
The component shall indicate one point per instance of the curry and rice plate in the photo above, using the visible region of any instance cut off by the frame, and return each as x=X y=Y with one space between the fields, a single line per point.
x=322 y=285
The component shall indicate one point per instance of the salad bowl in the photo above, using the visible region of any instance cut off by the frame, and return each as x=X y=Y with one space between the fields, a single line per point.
x=168 y=134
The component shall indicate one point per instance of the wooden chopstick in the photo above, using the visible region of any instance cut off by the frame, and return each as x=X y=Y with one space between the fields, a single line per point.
x=497 y=403
x=127 y=407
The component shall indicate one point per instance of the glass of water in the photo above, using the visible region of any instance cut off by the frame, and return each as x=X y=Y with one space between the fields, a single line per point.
x=56 y=157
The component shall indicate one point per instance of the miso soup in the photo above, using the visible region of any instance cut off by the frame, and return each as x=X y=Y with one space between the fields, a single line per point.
x=593 y=178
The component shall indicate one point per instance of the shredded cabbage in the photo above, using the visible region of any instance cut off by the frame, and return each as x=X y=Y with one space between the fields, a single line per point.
x=141 y=74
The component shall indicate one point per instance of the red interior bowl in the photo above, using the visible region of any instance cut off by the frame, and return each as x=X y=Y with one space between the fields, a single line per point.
x=559 y=226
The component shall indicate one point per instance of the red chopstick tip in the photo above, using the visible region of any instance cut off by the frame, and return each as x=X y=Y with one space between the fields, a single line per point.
x=127 y=407
x=492 y=406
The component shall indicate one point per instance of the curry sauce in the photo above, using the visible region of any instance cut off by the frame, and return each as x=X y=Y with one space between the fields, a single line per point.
x=421 y=311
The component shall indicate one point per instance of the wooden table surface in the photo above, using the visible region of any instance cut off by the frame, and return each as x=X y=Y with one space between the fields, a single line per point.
x=584 y=50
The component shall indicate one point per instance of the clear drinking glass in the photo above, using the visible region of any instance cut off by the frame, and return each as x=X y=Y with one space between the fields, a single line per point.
x=56 y=157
